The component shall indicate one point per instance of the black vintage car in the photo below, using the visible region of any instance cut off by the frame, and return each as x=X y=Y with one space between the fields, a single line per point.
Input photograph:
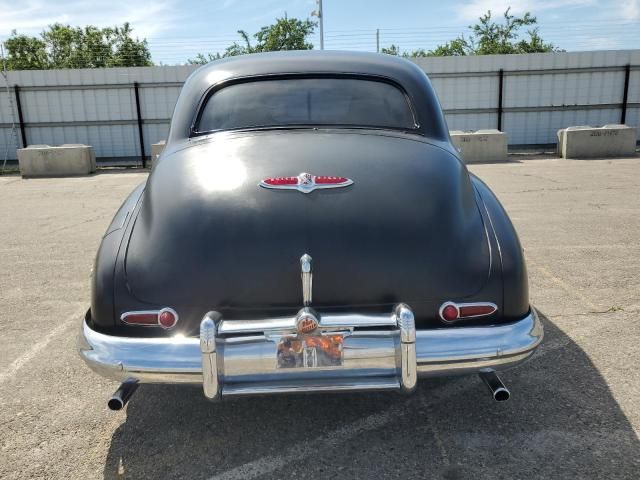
x=309 y=227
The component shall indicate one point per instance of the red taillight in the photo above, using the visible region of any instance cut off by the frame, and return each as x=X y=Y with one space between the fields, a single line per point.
x=477 y=310
x=140 y=318
x=281 y=181
x=324 y=180
x=165 y=318
x=450 y=311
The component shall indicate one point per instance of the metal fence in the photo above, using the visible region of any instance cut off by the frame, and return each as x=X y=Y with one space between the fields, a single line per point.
x=122 y=111
x=530 y=97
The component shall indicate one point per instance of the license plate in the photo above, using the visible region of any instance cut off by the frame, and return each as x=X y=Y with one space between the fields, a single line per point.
x=310 y=351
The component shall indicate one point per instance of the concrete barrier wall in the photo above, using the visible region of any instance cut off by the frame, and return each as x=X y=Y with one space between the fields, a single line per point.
x=156 y=150
x=56 y=161
x=481 y=146
x=541 y=94
x=597 y=142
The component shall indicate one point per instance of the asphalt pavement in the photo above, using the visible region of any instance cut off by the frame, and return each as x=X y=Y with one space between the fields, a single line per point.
x=574 y=411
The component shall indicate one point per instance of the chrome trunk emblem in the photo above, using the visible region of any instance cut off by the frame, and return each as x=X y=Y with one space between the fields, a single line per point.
x=305 y=182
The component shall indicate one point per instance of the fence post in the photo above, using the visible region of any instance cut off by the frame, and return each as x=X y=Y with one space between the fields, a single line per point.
x=23 y=133
x=500 y=85
x=143 y=156
x=625 y=93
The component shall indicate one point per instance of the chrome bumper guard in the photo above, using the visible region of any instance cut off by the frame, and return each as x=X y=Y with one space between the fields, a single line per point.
x=377 y=352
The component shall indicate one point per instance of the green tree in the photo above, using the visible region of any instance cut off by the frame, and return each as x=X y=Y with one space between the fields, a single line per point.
x=25 y=53
x=129 y=51
x=285 y=34
x=201 y=58
x=489 y=37
x=63 y=46
x=421 y=52
x=455 y=48
x=393 y=49
x=237 y=49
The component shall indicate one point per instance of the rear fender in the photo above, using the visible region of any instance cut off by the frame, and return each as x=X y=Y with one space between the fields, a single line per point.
x=515 y=282
x=102 y=278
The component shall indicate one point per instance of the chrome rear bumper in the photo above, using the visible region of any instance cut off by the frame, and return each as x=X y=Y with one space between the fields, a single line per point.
x=379 y=352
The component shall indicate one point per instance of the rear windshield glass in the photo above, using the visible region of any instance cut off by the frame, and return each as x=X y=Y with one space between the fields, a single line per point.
x=307 y=101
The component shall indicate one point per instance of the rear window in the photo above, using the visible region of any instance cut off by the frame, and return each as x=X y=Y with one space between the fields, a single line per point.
x=344 y=102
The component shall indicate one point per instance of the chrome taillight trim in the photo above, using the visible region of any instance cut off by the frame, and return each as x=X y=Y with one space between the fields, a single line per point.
x=123 y=317
x=173 y=312
x=445 y=305
x=157 y=313
x=459 y=306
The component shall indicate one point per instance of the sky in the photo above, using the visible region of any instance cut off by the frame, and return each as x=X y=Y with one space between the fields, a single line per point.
x=179 y=29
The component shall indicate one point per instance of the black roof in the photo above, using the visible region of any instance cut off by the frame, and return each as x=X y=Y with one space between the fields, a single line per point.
x=403 y=72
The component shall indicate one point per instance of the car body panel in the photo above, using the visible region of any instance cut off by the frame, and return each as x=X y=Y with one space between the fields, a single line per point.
x=218 y=240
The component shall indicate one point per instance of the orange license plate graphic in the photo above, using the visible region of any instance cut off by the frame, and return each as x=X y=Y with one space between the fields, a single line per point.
x=310 y=351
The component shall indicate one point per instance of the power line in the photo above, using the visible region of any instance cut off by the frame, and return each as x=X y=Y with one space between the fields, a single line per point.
x=574 y=36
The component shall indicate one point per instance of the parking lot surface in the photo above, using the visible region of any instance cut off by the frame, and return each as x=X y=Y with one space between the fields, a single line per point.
x=574 y=411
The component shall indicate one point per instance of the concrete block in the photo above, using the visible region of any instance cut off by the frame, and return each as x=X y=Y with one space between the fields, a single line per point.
x=92 y=152
x=56 y=161
x=597 y=142
x=561 y=138
x=481 y=145
x=156 y=150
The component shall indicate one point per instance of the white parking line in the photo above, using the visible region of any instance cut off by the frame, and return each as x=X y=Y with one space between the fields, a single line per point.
x=375 y=421
x=19 y=362
x=272 y=463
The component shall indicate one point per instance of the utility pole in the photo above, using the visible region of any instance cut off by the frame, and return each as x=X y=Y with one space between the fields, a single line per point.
x=377 y=40
x=318 y=13
x=10 y=100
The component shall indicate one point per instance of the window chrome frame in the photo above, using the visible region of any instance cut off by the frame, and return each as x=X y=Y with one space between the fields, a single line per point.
x=202 y=103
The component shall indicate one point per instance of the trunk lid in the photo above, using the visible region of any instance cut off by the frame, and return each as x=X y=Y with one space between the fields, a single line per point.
x=208 y=237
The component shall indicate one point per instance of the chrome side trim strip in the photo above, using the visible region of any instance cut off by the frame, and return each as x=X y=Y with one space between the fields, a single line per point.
x=333 y=321
x=340 y=385
x=361 y=321
x=230 y=327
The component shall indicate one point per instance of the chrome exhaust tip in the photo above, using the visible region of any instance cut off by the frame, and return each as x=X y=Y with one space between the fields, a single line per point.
x=122 y=395
x=499 y=392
